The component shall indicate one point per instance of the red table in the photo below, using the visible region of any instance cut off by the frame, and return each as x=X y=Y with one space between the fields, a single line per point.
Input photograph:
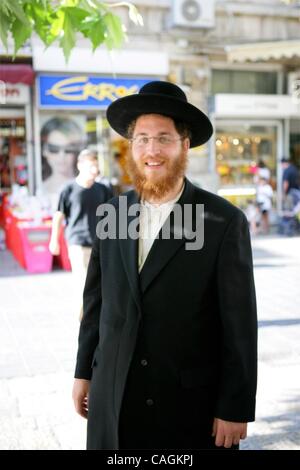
x=29 y=241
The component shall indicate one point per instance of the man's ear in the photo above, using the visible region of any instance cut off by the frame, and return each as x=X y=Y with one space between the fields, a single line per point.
x=186 y=144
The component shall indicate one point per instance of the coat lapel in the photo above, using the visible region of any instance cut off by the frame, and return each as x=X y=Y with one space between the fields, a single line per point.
x=129 y=250
x=163 y=250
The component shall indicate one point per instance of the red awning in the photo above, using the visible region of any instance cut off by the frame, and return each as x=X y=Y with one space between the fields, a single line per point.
x=17 y=73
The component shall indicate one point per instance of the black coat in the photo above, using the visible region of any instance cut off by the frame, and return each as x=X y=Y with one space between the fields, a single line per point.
x=174 y=346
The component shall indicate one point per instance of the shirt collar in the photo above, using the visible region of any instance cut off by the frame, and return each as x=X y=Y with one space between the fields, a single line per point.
x=165 y=204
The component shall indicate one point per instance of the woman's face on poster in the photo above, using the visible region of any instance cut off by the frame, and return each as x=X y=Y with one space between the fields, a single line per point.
x=61 y=152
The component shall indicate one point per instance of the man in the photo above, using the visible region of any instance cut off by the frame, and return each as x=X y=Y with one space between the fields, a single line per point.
x=290 y=177
x=167 y=344
x=77 y=206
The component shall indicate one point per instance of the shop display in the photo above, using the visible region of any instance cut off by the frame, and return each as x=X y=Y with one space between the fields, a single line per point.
x=27 y=226
x=239 y=151
x=13 y=161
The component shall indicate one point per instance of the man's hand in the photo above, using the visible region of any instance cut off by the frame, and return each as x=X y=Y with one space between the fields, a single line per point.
x=228 y=433
x=80 y=396
x=54 y=247
x=57 y=220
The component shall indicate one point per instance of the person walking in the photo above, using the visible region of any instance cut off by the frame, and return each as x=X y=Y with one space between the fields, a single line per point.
x=78 y=203
x=290 y=176
x=264 y=197
x=167 y=345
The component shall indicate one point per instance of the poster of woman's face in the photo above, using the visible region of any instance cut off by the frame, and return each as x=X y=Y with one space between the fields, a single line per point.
x=62 y=138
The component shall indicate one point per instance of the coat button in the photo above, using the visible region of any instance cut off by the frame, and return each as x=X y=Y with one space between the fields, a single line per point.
x=150 y=402
x=144 y=362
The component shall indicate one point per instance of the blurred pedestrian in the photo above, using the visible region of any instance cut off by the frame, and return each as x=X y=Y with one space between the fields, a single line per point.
x=263 y=171
x=264 y=196
x=290 y=176
x=167 y=344
x=252 y=214
x=77 y=206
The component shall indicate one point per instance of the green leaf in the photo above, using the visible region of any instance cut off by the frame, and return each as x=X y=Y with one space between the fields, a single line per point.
x=41 y=19
x=70 y=3
x=20 y=34
x=15 y=7
x=67 y=41
x=86 y=5
x=97 y=33
x=4 y=28
x=76 y=16
x=4 y=7
x=62 y=19
x=57 y=23
x=114 y=32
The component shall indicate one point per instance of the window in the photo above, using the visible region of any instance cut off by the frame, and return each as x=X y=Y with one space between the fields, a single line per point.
x=243 y=81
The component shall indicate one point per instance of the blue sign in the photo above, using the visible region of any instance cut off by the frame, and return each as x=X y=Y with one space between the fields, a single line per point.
x=84 y=92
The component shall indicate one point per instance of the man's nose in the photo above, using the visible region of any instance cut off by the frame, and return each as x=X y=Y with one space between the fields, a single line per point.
x=153 y=146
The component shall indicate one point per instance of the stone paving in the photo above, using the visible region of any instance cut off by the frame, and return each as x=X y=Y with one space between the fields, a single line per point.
x=38 y=336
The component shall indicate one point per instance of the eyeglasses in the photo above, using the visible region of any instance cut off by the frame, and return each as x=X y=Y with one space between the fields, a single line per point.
x=52 y=148
x=162 y=140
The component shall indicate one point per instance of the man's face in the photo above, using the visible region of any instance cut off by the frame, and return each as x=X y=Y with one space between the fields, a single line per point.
x=88 y=169
x=158 y=155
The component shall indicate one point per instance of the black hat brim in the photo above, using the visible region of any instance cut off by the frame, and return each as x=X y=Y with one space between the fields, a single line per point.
x=123 y=111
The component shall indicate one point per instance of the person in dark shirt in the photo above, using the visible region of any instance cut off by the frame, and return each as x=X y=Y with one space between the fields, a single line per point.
x=290 y=177
x=77 y=206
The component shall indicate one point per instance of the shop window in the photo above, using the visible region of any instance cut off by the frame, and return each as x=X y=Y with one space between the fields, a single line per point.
x=295 y=141
x=239 y=152
x=13 y=159
x=242 y=81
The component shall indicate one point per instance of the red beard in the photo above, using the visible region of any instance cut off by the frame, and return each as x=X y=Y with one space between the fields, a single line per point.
x=156 y=187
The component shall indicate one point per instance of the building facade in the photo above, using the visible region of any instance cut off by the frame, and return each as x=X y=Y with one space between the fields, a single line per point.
x=239 y=61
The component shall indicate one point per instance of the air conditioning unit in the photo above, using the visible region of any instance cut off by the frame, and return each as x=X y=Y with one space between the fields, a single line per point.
x=193 y=13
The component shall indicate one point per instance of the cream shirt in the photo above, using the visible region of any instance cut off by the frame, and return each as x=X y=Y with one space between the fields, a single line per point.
x=152 y=218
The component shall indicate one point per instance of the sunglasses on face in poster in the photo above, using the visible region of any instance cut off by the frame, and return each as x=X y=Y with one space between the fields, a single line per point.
x=68 y=149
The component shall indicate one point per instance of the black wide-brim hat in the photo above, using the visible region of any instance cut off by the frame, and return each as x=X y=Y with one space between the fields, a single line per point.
x=159 y=97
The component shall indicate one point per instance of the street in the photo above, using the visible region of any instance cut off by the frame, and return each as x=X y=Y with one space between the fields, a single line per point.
x=38 y=339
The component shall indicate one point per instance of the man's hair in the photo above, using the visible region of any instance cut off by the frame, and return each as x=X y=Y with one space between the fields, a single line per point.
x=181 y=127
x=87 y=154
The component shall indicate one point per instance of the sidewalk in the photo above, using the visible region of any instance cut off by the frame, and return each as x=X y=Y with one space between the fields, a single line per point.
x=38 y=336
x=277 y=277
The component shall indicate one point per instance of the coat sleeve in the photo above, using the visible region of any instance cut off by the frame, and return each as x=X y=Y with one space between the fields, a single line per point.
x=89 y=328
x=237 y=306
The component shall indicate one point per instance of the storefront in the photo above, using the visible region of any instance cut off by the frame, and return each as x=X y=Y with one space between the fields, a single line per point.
x=250 y=129
x=72 y=98
x=16 y=153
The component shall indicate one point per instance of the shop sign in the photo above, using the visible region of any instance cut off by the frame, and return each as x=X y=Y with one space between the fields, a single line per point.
x=84 y=91
x=271 y=106
x=13 y=93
